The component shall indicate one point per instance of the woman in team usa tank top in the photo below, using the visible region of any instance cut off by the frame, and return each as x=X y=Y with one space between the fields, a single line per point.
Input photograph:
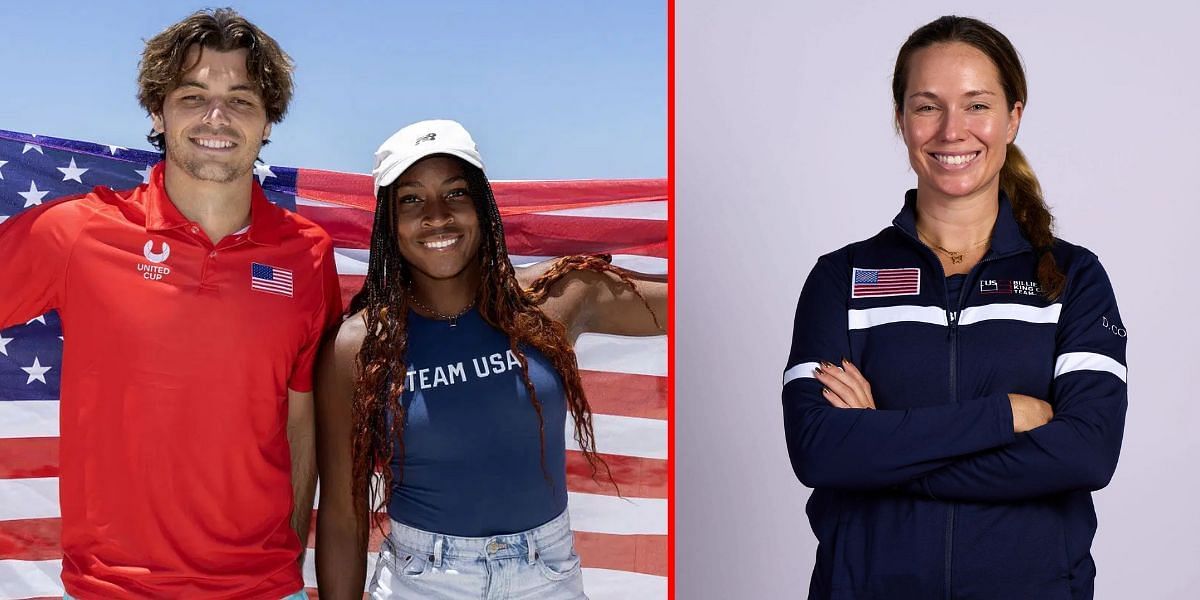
x=454 y=374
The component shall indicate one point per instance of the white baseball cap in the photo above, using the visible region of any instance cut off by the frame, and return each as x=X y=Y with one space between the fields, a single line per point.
x=416 y=141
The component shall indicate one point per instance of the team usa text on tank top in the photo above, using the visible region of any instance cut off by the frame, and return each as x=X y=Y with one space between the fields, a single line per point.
x=472 y=457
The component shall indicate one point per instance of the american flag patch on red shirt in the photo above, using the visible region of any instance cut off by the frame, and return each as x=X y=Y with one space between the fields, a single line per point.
x=875 y=283
x=274 y=280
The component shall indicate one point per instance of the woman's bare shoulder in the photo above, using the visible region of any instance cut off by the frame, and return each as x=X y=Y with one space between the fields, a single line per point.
x=342 y=346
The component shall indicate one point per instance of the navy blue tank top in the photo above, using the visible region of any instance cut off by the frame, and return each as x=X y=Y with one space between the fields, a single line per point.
x=472 y=459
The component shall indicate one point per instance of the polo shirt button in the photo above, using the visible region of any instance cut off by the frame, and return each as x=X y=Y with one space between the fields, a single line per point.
x=212 y=254
x=195 y=229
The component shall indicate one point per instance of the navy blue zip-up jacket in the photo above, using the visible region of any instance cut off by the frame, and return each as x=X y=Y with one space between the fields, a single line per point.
x=933 y=495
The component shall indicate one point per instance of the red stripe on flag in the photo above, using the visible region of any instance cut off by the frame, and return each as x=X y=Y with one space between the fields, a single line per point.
x=347 y=189
x=549 y=235
x=637 y=553
x=515 y=197
x=350 y=285
x=349 y=227
x=30 y=539
x=637 y=477
x=28 y=457
x=625 y=394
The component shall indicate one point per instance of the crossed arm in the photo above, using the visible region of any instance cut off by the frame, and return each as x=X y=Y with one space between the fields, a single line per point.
x=955 y=451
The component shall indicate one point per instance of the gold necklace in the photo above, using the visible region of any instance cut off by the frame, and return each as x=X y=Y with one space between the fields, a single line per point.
x=955 y=257
x=453 y=319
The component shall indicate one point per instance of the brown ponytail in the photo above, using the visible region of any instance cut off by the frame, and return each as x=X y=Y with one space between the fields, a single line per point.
x=1025 y=194
x=1016 y=176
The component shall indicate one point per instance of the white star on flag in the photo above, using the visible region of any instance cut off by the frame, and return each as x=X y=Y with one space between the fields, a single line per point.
x=29 y=147
x=40 y=319
x=36 y=372
x=2 y=163
x=113 y=149
x=145 y=173
x=4 y=345
x=72 y=172
x=34 y=195
x=263 y=171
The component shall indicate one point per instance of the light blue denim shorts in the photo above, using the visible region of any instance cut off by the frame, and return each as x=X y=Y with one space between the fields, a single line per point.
x=539 y=564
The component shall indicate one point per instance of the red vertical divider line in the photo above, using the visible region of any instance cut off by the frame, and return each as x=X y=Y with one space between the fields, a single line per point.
x=671 y=268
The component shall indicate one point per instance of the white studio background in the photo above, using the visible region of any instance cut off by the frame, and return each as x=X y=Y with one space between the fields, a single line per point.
x=785 y=151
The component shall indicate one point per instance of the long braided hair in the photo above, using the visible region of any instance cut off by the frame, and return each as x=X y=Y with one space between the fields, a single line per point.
x=379 y=416
x=1017 y=178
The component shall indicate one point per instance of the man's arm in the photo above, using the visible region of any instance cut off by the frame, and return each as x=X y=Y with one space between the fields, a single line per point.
x=301 y=425
x=35 y=246
x=301 y=434
x=342 y=524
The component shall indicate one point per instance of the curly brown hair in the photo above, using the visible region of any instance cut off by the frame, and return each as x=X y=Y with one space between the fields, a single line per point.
x=222 y=29
x=378 y=413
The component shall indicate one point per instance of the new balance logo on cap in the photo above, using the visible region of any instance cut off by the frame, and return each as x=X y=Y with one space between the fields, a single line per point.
x=429 y=137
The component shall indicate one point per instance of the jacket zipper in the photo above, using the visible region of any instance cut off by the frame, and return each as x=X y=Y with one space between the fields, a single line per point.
x=952 y=327
x=952 y=318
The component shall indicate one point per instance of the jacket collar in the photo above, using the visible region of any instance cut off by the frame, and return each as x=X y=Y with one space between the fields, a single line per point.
x=162 y=214
x=1006 y=233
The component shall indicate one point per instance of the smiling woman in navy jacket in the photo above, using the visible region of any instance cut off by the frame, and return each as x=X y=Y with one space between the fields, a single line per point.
x=956 y=385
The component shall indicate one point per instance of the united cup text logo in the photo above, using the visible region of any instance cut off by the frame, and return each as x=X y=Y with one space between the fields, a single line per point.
x=155 y=271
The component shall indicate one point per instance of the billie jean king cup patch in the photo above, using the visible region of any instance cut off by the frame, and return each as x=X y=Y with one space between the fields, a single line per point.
x=879 y=283
x=1009 y=286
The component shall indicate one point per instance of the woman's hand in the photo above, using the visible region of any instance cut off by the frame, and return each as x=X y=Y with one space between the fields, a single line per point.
x=1029 y=412
x=845 y=386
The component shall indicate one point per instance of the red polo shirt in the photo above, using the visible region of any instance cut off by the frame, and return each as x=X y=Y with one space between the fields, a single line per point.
x=175 y=474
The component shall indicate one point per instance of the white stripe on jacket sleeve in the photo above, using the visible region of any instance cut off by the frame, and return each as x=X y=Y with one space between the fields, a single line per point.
x=798 y=371
x=1088 y=361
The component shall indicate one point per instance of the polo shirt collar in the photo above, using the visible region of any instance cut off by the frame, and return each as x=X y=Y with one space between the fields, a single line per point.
x=1006 y=233
x=162 y=214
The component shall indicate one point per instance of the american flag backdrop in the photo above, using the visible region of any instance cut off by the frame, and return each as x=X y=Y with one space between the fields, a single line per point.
x=622 y=541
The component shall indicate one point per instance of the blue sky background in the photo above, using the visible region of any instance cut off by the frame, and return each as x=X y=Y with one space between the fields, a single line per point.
x=550 y=89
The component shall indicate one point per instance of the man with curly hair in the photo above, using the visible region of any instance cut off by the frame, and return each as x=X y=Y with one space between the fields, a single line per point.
x=192 y=308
